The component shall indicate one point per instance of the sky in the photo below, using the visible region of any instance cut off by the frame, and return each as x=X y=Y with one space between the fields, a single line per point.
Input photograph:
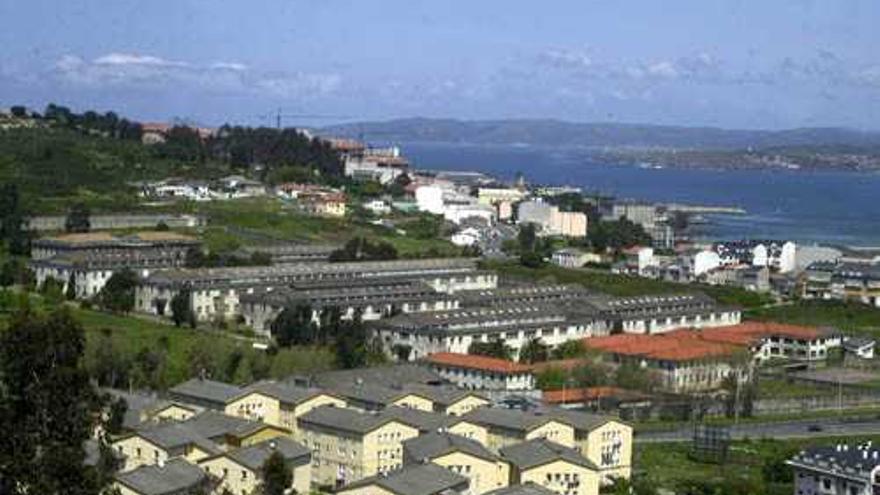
x=728 y=63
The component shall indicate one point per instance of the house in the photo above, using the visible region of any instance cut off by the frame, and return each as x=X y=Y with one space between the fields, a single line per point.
x=523 y=489
x=469 y=236
x=377 y=207
x=556 y=467
x=603 y=440
x=279 y=403
x=90 y=259
x=423 y=479
x=574 y=258
x=176 y=477
x=467 y=457
x=201 y=436
x=237 y=186
x=771 y=340
x=480 y=372
x=860 y=347
x=205 y=393
x=240 y=470
x=837 y=469
x=349 y=445
x=682 y=363
x=322 y=203
x=552 y=221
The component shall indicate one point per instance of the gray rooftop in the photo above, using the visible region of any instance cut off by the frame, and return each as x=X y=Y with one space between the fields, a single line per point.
x=430 y=446
x=524 y=421
x=202 y=389
x=533 y=453
x=254 y=456
x=389 y=376
x=421 y=479
x=298 y=271
x=344 y=419
x=175 y=477
x=524 y=489
x=841 y=459
x=285 y=392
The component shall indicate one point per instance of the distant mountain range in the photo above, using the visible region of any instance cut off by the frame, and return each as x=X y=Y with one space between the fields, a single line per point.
x=602 y=135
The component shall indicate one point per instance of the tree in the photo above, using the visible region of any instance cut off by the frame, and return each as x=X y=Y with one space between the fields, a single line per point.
x=494 y=348
x=527 y=238
x=116 y=416
x=568 y=350
x=78 y=219
x=534 y=351
x=362 y=249
x=181 y=307
x=47 y=406
x=70 y=292
x=276 y=475
x=632 y=376
x=18 y=111
x=117 y=295
x=294 y=326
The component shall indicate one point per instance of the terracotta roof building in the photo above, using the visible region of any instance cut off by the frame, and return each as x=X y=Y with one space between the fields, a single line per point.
x=481 y=372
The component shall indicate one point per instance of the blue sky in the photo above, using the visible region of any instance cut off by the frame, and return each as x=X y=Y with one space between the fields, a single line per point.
x=728 y=63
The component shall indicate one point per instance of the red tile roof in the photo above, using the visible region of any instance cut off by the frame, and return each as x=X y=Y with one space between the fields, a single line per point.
x=689 y=345
x=586 y=394
x=474 y=362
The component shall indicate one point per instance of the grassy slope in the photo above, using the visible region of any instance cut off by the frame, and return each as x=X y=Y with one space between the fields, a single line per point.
x=245 y=221
x=667 y=464
x=848 y=317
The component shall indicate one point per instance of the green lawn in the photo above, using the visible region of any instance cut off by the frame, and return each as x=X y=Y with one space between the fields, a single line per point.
x=183 y=352
x=848 y=317
x=669 y=465
x=233 y=223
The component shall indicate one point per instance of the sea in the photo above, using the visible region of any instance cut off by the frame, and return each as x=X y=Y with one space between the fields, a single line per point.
x=810 y=207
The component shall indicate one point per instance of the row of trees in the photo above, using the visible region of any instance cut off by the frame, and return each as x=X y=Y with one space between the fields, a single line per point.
x=107 y=124
x=362 y=249
x=349 y=337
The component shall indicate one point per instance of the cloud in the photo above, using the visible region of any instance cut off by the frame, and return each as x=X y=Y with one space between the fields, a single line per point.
x=138 y=71
x=566 y=59
x=133 y=59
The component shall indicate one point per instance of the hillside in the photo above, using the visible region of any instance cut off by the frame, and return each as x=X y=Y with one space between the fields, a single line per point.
x=560 y=133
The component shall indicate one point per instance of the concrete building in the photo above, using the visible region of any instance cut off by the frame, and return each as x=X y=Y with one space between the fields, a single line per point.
x=215 y=292
x=556 y=467
x=430 y=199
x=193 y=440
x=467 y=457
x=348 y=445
x=552 y=221
x=422 y=479
x=853 y=282
x=781 y=256
x=454 y=331
x=662 y=313
x=43 y=223
x=496 y=195
x=260 y=308
x=382 y=165
x=279 y=403
x=604 y=441
x=839 y=469
x=177 y=477
x=90 y=259
x=241 y=470
x=323 y=204
x=574 y=258
x=481 y=373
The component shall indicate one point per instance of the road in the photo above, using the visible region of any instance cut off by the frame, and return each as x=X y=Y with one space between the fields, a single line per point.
x=827 y=427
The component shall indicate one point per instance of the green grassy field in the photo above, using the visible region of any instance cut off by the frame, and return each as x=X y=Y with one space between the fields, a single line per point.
x=850 y=318
x=233 y=223
x=753 y=466
x=184 y=351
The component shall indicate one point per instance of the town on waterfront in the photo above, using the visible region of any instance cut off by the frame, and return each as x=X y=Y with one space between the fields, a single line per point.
x=404 y=248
